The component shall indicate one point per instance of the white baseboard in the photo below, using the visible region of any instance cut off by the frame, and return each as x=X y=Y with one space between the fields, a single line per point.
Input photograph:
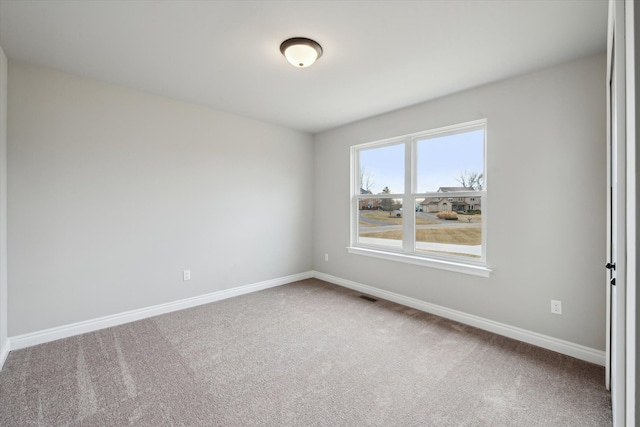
x=560 y=346
x=565 y=347
x=4 y=352
x=47 y=335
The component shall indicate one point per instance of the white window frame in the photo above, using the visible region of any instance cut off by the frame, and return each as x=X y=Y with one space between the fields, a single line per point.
x=408 y=253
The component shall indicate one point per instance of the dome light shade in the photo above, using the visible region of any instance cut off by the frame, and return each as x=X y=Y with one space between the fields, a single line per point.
x=301 y=52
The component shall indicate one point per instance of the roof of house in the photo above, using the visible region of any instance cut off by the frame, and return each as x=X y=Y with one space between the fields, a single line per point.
x=431 y=201
x=450 y=189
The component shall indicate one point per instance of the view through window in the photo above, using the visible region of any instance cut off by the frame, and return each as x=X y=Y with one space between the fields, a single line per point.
x=423 y=194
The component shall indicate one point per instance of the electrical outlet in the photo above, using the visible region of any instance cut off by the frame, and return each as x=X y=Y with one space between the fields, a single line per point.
x=186 y=275
x=326 y=257
x=556 y=306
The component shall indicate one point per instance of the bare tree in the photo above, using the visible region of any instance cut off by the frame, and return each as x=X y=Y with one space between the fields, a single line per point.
x=367 y=181
x=471 y=179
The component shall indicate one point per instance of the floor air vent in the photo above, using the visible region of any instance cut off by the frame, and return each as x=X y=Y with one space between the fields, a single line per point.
x=368 y=298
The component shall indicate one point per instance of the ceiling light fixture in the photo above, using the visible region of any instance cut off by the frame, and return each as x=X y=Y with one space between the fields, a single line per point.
x=301 y=52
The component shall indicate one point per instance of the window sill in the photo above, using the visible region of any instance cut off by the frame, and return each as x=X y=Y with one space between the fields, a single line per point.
x=475 y=270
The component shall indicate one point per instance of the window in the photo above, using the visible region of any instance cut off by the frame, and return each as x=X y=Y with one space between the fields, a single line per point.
x=442 y=174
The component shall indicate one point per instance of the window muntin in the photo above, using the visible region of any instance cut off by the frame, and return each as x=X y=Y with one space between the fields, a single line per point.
x=405 y=187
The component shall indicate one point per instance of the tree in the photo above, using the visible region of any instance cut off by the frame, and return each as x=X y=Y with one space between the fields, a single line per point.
x=367 y=181
x=386 y=203
x=471 y=179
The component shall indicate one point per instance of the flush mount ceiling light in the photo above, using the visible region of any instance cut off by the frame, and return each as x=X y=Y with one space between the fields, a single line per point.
x=301 y=52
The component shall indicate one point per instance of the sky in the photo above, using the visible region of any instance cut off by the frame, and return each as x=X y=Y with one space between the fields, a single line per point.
x=440 y=161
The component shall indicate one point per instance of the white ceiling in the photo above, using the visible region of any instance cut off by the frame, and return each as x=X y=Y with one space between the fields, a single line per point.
x=378 y=55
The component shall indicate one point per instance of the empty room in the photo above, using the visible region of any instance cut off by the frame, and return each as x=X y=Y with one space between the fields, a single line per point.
x=330 y=213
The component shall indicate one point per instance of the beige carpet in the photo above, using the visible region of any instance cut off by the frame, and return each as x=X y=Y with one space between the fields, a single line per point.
x=304 y=354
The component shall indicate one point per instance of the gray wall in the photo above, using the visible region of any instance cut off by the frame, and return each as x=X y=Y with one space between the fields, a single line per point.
x=3 y=201
x=546 y=190
x=113 y=193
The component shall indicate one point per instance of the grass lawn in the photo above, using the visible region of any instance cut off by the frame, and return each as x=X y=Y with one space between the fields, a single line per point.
x=382 y=216
x=455 y=236
x=469 y=218
x=391 y=220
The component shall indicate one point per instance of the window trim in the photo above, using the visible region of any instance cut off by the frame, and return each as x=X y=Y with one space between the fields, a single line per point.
x=408 y=252
x=475 y=270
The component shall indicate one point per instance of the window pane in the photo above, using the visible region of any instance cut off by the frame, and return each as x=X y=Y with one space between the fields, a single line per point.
x=451 y=225
x=452 y=161
x=381 y=225
x=382 y=170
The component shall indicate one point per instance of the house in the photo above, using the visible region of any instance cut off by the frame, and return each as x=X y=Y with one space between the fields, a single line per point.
x=367 y=203
x=133 y=133
x=456 y=204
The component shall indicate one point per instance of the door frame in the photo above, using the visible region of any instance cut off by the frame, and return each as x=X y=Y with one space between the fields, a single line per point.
x=622 y=20
x=616 y=211
x=631 y=230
